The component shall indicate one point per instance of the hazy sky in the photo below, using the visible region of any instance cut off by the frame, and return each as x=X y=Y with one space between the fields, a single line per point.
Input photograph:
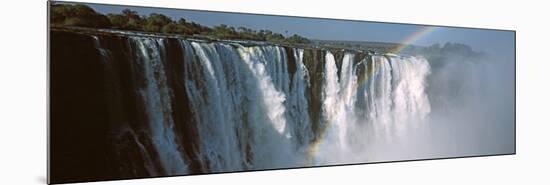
x=494 y=42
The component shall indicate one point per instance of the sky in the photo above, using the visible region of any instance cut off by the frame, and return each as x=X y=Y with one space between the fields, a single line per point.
x=494 y=42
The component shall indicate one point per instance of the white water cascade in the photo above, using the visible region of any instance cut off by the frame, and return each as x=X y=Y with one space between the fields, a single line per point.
x=253 y=114
x=255 y=107
x=394 y=96
x=157 y=98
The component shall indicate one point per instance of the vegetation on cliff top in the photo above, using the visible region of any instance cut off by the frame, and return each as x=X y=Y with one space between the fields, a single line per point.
x=79 y=15
x=63 y=15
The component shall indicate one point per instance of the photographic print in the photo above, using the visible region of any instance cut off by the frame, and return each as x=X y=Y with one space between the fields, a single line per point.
x=141 y=92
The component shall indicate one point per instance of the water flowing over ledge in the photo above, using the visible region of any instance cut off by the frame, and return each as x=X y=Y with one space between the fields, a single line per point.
x=174 y=106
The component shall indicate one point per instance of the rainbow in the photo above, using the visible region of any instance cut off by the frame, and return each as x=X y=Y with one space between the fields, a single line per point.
x=411 y=39
x=313 y=147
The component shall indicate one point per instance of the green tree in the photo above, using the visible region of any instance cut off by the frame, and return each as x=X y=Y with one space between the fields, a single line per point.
x=84 y=16
x=297 y=39
x=170 y=28
x=77 y=15
x=155 y=22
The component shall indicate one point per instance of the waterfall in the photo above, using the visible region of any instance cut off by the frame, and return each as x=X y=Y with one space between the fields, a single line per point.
x=157 y=97
x=297 y=104
x=395 y=96
x=249 y=105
